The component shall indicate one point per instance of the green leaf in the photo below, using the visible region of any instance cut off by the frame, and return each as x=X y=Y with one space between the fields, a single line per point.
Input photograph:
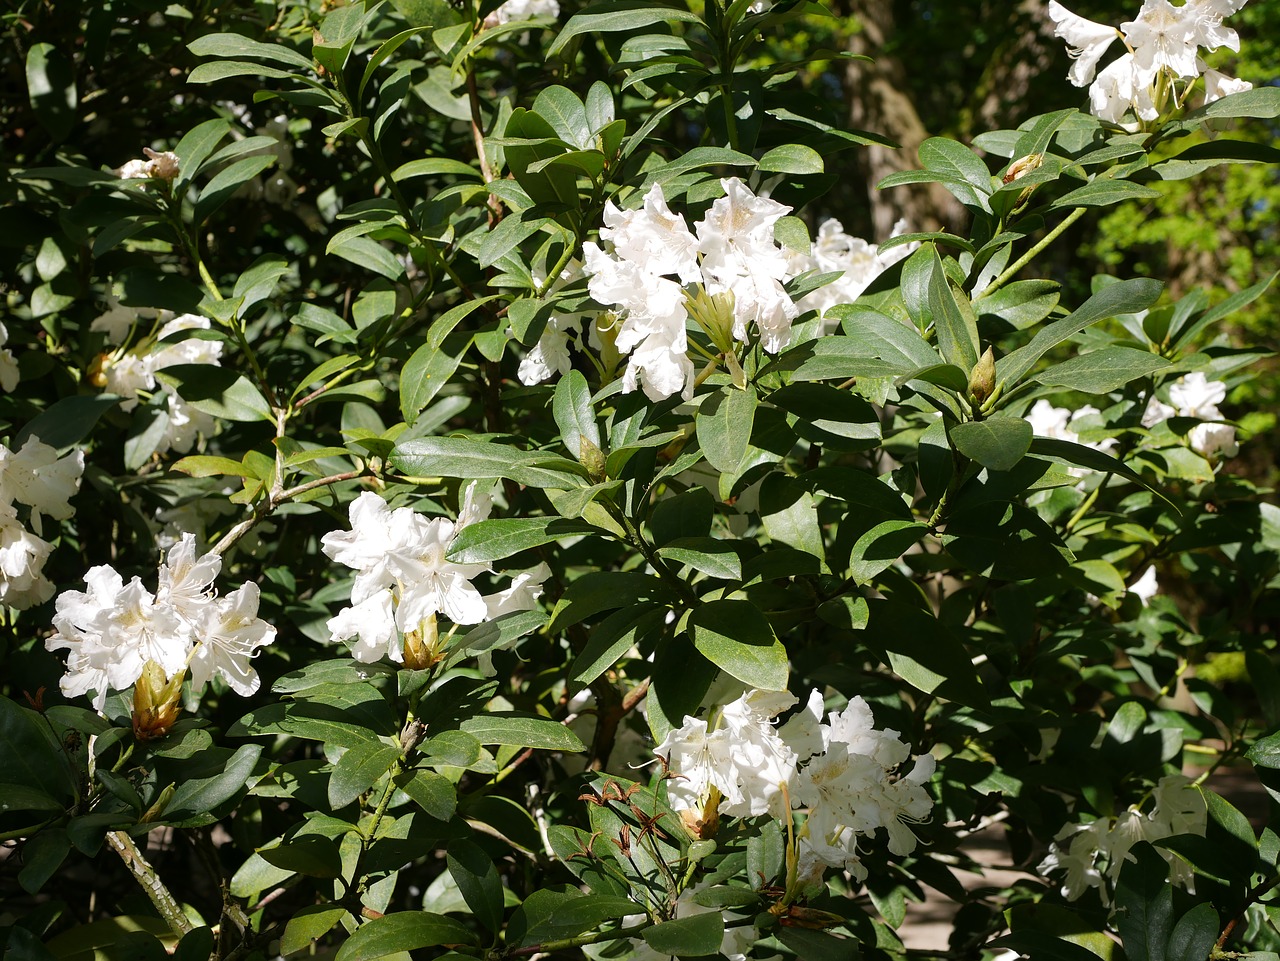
x=385 y=50
x=881 y=546
x=51 y=89
x=560 y=107
x=956 y=328
x=792 y=158
x=574 y=415
x=473 y=870
x=227 y=46
x=1194 y=935
x=924 y=652
x=724 y=427
x=359 y=769
x=402 y=932
x=1021 y=303
x=435 y=165
x=1144 y=902
x=818 y=945
x=1104 y=192
x=309 y=925
x=432 y=792
x=613 y=637
x=968 y=178
x=367 y=253
x=194 y=800
x=997 y=443
x=694 y=936
x=1265 y=752
x=467 y=459
x=34 y=759
x=736 y=637
x=1123 y=297
x=614 y=15
x=1102 y=371
x=493 y=540
x=66 y=422
x=310 y=854
x=424 y=374
x=528 y=138
x=219 y=391
x=712 y=557
x=522 y=730
x=226 y=182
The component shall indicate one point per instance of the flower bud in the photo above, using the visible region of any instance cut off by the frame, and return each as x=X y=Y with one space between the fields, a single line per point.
x=1023 y=166
x=161 y=166
x=982 y=381
x=592 y=458
x=422 y=648
x=156 y=702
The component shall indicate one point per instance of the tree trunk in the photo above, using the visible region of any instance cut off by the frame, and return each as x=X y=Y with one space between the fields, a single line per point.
x=878 y=102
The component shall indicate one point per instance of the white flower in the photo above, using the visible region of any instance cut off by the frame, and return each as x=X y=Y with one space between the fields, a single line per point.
x=1207 y=28
x=1079 y=858
x=230 y=634
x=525 y=10
x=859 y=262
x=551 y=353
x=22 y=558
x=653 y=238
x=160 y=166
x=402 y=575
x=1214 y=440
x=186 y=581
x=1146 y=586
x=1163 y=36
x=1218 y=85
x=1196 y=396
x=855 y=787
x=9 y=372
x=522 y=595
x=193 y=350
x=1049 y=421
x=116 y=322
x=1157 y=412
x=36 y=476
x=1120 y=88
x=1086 y=41
x=111 y=631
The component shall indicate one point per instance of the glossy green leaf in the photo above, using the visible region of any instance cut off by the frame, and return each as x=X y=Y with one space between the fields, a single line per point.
x=358 y=770
x=724 y=427
x=309 y=854
x=694 y=936
x=522 y=730
x=736 y=637
x=401 y=932
x=1102 y=371
x=309 y=925
x=997 y=443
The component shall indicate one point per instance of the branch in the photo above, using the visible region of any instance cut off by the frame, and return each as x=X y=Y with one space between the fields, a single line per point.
x=146 y=876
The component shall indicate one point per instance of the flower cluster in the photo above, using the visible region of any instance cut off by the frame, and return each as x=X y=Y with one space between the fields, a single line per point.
x=34 y=476
x=1196 y=396
x=728 y=277
x=157 y=166
x=1163 y=43
x=130 y=371
x=857 y=261
x=114 y=631
x=846 y=773
x=403 y=579
x=1091 y=853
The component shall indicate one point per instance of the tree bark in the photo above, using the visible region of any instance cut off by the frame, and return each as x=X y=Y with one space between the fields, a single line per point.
x=879 y=102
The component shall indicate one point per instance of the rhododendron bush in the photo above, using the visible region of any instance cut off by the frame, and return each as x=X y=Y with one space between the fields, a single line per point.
x=463 y=494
